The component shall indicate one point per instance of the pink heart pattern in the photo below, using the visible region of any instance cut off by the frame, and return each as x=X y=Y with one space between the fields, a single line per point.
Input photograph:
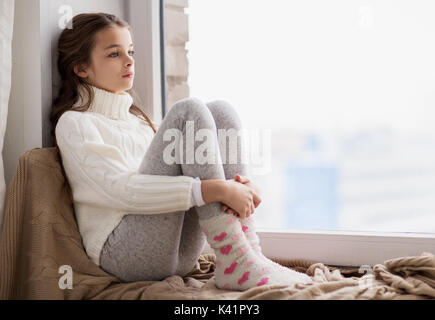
x=227 y=286
x=231 y=268
x=226 y=249
x=220 y=237
x=244 y=278
x=236 y=237
x=231 y=220
x=248 y=263
x=242 y=251
x=264 y=270
x=244 y=228
x=263 y=281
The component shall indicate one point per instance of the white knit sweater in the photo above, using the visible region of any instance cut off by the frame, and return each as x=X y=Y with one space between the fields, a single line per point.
x=101 y=151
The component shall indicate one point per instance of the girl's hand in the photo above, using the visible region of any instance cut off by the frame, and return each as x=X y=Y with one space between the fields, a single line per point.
x=239 y=197
x=246 y=181
x=256 y=197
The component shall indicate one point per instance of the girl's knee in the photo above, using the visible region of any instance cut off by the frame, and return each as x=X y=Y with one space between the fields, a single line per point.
x=193 y=109
x=224 y=114
x=190 y=104
x=220 y=104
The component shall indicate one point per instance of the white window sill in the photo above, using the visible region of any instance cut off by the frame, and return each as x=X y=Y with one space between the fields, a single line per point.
x=342 y=248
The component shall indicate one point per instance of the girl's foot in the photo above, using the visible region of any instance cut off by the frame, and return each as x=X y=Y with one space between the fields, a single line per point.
x=238 y=267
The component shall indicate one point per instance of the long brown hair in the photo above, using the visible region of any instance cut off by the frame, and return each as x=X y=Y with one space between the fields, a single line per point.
x=74 y=47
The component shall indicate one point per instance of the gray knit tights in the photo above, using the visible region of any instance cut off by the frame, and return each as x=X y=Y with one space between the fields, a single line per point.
x=153 y=247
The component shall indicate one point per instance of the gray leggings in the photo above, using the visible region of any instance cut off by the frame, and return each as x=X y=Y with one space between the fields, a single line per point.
x=153 y=247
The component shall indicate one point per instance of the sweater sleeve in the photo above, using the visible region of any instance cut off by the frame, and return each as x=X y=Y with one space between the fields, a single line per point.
x=197 y=199
x=99 y=173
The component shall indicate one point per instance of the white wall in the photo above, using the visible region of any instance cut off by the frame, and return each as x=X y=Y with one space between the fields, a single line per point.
x=23 y=130
x=35 y=79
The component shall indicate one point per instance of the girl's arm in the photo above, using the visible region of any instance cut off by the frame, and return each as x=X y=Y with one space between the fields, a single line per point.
x=231 y=193
x=100 y=174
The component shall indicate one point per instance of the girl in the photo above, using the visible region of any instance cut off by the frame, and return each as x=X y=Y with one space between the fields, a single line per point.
x=142 y=217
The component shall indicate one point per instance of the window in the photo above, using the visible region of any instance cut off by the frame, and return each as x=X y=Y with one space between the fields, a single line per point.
x=347 y=91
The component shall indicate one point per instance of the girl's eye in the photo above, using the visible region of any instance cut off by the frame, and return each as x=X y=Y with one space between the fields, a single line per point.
x=116 y=53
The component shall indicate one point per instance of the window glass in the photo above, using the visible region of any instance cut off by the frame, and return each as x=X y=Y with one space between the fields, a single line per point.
x=346 y=90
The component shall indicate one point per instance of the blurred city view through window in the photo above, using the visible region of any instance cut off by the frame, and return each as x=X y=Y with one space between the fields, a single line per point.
x=347 y=91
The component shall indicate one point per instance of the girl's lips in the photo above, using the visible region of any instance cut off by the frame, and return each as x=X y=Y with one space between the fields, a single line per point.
x=129 y=75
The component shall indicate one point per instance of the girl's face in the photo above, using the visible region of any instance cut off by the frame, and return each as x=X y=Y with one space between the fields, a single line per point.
x=111 y=60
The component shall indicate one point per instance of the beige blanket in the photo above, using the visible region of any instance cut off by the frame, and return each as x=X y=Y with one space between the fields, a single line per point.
x=40 y=235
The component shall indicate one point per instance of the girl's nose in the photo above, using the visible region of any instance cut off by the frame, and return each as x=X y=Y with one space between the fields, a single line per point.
x=130 y=61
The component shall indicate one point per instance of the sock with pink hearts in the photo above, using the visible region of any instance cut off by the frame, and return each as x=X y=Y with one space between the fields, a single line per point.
x=238 y=267
x=249 y=229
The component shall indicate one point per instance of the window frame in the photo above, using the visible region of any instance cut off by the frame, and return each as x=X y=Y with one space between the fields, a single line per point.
x=145 y=19
x=344 y=248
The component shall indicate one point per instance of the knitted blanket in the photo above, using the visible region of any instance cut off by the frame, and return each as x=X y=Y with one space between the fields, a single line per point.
x=42 y=256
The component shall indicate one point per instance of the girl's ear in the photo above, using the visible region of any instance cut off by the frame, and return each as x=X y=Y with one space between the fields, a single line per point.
x=80 y=71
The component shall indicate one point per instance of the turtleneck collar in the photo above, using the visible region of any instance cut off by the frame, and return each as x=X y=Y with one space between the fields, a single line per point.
x=111 y=105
